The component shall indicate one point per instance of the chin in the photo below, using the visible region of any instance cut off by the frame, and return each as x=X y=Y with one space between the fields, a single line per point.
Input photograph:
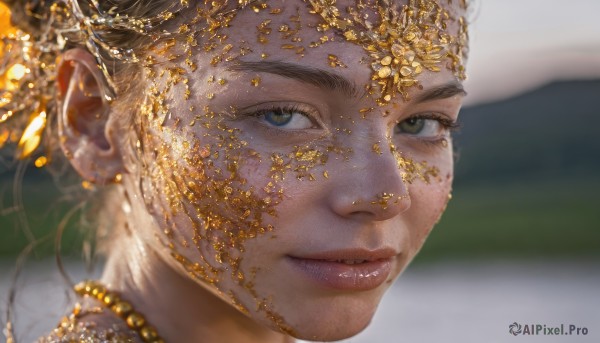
x=329 y=331
x=334 y=320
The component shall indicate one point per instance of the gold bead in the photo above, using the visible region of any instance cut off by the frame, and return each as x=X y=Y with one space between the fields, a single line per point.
x=110 y=298
x=88 y=286
x=65 y=322
x=98 y=291
x=135 y=320
x=122 y=308
x=80 y=288
x=148 y=334
x=77 y=309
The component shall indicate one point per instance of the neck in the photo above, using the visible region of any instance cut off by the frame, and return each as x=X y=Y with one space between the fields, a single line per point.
x=179 y=308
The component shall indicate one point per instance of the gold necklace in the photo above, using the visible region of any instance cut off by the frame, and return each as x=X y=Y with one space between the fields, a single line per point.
x=121 y=308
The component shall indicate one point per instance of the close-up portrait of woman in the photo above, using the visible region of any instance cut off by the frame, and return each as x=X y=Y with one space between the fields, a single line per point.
x=240 y=171
x=262 y=170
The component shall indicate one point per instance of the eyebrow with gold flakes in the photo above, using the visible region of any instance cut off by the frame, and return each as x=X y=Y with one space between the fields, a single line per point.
x=328 y=80
x=444 y=91
x=315 y=76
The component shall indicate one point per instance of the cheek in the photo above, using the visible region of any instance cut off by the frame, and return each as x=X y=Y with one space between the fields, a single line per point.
x=207 y=207
x=216 y=204
x=428 y=203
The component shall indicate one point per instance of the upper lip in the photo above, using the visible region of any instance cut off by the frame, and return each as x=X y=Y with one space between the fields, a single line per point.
x=351 y=254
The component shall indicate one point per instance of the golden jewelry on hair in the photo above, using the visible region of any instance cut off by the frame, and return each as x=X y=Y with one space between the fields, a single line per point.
x=28 y=60
x=123 y=309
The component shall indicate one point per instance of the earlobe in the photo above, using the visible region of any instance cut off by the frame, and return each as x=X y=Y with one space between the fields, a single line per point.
x=85 y=121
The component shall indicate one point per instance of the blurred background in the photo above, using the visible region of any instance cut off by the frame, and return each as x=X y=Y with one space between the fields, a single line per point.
x=520 y=241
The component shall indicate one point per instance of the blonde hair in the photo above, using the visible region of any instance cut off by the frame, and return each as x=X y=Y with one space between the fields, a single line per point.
x=47 y=28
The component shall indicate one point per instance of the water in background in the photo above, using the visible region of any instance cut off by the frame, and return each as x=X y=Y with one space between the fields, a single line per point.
x=460 y=301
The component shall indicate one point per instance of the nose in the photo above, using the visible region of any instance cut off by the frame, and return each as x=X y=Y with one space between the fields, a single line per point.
x=370 y=186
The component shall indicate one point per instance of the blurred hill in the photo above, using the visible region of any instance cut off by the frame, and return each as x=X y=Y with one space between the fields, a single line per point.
x=527 y=178
x=550 y=132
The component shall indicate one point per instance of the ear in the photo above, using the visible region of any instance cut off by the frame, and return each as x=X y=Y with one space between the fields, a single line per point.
x=86 y=125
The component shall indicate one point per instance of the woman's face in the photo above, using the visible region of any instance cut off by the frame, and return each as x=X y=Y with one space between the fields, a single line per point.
x=284 y=185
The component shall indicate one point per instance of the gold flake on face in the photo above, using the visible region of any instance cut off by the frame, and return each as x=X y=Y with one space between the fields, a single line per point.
x=384 y=199
x=401 y=43
x=198 y=177
x=255 y=81
x=412 y=170
x=200 y=181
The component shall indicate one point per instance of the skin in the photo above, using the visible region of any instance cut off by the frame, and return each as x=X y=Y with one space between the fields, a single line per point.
x=329 y=213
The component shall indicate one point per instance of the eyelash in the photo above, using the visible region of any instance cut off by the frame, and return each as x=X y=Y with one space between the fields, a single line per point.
x=447 y=124
x=302 y=109
x=287 y=108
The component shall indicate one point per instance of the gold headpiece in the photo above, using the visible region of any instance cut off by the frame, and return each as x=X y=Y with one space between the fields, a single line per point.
x=28 y=64
x=23 y=66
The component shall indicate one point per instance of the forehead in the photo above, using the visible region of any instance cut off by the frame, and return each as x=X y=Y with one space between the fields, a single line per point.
x=314 y=23
x=388 y=46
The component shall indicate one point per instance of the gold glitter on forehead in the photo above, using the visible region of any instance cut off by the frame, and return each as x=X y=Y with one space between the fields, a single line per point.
x=402 y=43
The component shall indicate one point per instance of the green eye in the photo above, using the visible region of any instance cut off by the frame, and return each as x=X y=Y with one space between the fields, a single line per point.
x=412 y=126
x=424 y=127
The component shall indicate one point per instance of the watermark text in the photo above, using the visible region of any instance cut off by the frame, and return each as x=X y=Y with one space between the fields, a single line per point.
x=516 y=329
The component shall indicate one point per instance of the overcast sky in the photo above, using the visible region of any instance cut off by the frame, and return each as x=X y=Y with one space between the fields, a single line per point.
x=517 y=45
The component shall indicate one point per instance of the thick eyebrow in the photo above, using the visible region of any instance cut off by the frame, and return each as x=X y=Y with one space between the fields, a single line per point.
x=314 y=76
x=333 y=81
x=441 y=92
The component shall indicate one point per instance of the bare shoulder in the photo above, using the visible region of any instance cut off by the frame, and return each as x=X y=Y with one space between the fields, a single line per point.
x=91 y=325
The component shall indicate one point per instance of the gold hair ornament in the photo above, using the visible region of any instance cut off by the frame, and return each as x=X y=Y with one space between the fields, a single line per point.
x=26 y=69
x=28 y=64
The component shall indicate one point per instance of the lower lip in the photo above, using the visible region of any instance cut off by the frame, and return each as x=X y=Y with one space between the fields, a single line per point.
x=347 y=277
